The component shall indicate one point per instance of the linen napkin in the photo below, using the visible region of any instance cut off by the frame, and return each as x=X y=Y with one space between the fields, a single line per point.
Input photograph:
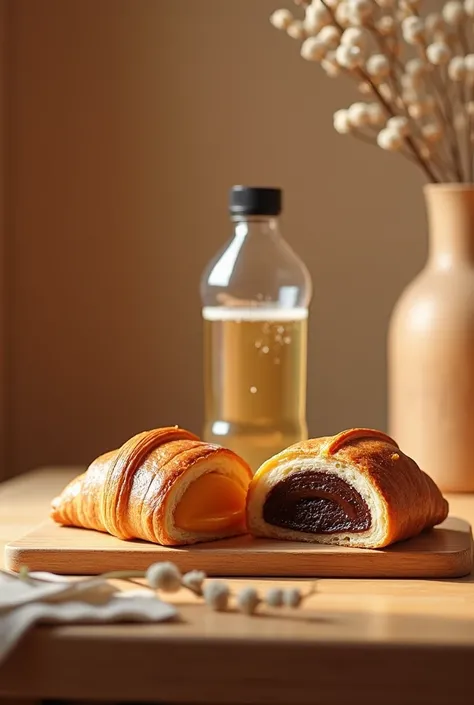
x=47 y=598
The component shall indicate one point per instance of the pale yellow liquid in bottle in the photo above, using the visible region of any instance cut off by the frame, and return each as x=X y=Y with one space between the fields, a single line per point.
x=255 y=380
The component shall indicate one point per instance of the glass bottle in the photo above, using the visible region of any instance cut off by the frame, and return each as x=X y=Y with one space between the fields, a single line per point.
x=255 y=295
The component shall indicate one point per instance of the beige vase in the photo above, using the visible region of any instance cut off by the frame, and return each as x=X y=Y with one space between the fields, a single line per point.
x=431 y=347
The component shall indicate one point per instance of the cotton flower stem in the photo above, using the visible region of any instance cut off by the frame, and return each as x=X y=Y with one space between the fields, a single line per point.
x=443 y=78
x=446 y=117
x=470 y=97
x=469 y=151
x=462 y=97
x=386 y=105
x=463 y=40
x=394 y=61
x=385 y=48
x=122 y=574
x=409 y=141
x=367 y=139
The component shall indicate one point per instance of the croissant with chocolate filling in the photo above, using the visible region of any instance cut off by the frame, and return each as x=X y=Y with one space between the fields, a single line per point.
x=354 y=489
x=164 y=486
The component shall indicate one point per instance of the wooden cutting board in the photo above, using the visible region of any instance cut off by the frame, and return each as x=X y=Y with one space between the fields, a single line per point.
x=444 y=552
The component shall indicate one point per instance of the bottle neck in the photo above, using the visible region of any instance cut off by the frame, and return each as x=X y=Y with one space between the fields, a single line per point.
x=256 y=227
x=451 y=225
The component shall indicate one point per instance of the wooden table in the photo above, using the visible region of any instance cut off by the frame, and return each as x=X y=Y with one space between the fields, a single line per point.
x=370 y=642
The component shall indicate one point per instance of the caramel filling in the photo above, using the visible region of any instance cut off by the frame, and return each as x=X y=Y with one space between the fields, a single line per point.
x=210 y=504
x=316 y=502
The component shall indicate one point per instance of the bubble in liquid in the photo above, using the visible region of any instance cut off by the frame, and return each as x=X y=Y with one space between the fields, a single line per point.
x=258 y=344
x=287 y=339
x=253 y=390
x=265 y=349
x=281 y=329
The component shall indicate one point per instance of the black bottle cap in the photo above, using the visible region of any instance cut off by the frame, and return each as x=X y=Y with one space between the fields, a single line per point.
x=255 y=200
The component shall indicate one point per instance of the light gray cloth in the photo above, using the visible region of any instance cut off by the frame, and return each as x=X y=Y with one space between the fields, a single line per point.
x=24 y=603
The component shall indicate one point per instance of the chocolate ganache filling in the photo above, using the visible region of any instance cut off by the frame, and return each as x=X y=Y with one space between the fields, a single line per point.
x=316 y=502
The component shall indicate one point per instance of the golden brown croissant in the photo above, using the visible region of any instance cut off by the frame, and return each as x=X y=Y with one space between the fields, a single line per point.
x=353 y=489
x=164 y=486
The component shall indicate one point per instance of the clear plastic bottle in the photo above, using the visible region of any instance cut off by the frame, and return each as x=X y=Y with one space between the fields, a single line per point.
x=255 y=295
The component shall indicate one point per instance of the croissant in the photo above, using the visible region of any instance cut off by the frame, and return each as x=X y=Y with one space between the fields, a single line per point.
x=163 y=486
x=353 y=489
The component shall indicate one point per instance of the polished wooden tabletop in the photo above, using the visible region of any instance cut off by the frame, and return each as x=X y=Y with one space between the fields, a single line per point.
x=376 y=642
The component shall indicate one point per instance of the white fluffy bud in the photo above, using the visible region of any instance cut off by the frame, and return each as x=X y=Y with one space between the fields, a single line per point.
x=164 y=576
x=469 y=62
x=330 y=65
x=248 y=600
x=281 y=19
x=360 y=11
x=413 y=30
x=432 y=132
x=342 y=14
x=453 y=12
x=389 y=140
x=376 y=114
x=274 y=597
x=386 y=26
x=313 y=49
x=399 y=124
x=295 y=30
x=330 y=36
x=216 y=595
x=469 y=7
x=316 y=17
x=355 y=37
x=438 y=53
x=457 y=68
x=292 y=598
x=341 y=122
x=349 y=57
x=194 y=580
x=378 y=66
x=358 y=115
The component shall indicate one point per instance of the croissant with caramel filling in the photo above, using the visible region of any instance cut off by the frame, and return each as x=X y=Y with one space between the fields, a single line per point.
x=164 y=486
x=353 y=489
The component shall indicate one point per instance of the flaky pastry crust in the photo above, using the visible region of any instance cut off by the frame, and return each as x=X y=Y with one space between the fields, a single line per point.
x=402 y=499
x=132 y=492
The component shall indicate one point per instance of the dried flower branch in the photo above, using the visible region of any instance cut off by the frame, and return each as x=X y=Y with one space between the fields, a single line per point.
x=417 y=70
x=166 y=577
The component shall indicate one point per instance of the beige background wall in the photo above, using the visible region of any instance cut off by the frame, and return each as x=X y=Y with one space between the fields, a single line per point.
x=128 y=121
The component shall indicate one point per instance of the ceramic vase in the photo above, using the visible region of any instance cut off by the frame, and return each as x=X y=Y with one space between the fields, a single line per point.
x=431 y=347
